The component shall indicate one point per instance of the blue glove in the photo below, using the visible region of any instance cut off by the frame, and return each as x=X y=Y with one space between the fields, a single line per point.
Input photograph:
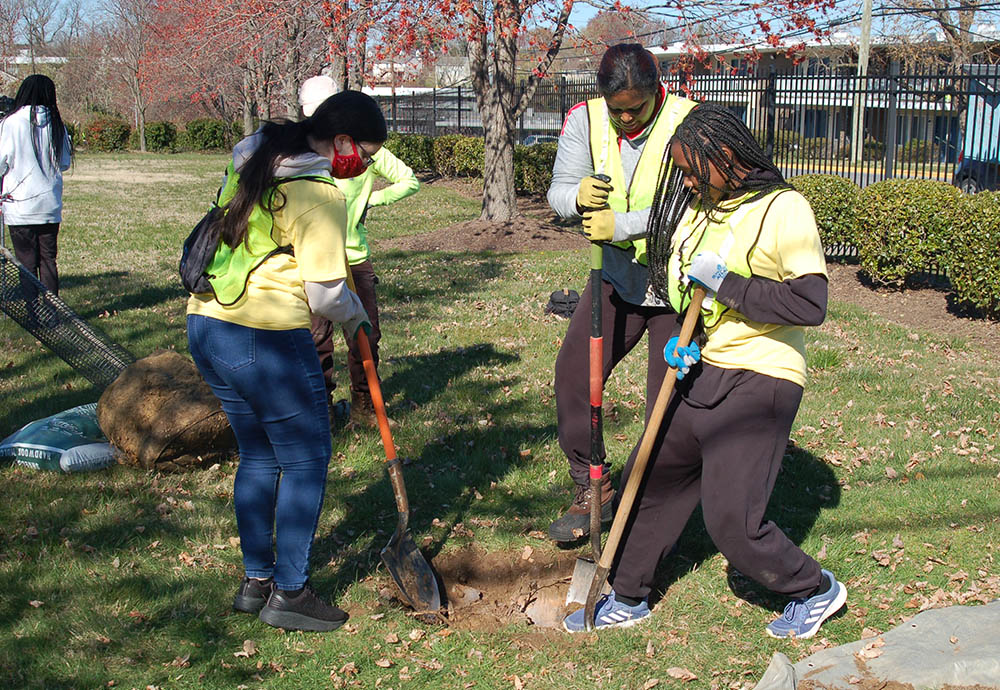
x=681 y=358
x=708 y=270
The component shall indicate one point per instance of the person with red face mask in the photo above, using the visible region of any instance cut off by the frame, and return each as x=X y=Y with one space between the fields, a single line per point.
x=281 y=256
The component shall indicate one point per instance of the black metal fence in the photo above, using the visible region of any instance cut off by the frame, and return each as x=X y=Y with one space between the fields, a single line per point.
x=867 y=128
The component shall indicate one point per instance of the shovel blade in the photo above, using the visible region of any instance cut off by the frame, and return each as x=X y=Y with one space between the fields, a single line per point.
x=413 y=575
x=583 y=574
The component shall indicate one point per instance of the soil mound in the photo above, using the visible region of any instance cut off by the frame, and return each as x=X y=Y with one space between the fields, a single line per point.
x=162 y=416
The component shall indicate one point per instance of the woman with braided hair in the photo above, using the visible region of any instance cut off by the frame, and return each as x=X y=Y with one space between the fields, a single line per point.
x=750 y=239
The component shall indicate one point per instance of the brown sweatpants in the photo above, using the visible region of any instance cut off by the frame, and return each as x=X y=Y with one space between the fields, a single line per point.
x=720 y=443
x=324 y=331
x=623 y=326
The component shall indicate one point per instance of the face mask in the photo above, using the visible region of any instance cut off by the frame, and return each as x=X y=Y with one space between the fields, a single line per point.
x=347 y=166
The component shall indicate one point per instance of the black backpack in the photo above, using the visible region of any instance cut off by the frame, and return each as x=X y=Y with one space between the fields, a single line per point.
x=562 y=303
x=199 y=250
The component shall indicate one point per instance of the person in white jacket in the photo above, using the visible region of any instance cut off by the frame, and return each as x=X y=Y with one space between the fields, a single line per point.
x=35 y=149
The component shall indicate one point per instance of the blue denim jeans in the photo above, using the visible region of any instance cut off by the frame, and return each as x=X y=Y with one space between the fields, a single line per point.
x=271 y=389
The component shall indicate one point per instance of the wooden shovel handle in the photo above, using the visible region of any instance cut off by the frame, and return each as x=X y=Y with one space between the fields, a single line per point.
x=650 y=434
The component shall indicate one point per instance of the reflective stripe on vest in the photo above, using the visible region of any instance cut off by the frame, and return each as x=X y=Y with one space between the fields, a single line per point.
x=607 y=158
x=230 y=269
x=695 y=235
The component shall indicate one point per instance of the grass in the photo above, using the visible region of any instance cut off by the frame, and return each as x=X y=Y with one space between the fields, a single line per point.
x=123 y=578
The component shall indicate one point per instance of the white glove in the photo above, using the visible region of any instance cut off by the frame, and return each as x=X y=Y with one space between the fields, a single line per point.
x=708 y=270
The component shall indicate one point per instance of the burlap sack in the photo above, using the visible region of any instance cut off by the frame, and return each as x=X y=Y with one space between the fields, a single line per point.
x=161 y=415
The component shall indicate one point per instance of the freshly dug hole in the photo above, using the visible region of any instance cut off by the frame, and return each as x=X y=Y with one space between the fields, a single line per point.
x=487 y=589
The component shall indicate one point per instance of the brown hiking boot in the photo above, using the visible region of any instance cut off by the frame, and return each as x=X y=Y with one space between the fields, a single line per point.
x=575 y=523
x=363 y=412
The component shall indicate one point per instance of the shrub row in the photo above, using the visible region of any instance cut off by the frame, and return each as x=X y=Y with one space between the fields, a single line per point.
x=112 y=133
x=454 y=155
x=902 y=227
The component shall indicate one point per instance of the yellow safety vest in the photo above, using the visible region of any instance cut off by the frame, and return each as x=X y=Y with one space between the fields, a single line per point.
x=724 y=237
x=230 y=268
x=607 y=158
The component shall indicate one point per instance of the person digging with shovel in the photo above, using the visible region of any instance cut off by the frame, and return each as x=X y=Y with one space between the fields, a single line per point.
x=281 y=255
x=623 y=135
x=751 y=241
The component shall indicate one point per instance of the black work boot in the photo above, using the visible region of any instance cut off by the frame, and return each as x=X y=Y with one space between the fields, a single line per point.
x=575 y=523
x=252 y=595
x=363 y=411
x=301 y=610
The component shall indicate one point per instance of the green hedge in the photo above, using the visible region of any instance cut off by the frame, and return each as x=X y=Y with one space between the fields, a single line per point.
x=160 y=136
x=444 y=154
x=973 y=258
x=533 y=167
x=469 y=156
x=904 y=226
x=107 y=133
x=416 y=150
x=834 y=200
x=206 y=134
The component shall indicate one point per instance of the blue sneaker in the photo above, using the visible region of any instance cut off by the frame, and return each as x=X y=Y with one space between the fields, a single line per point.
x=609 y=613
x=802 y=617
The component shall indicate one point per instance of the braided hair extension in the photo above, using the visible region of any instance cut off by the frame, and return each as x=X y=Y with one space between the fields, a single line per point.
x=709 y=134
x=670 y=200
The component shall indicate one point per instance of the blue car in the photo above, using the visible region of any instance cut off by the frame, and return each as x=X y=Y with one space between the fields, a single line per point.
x=979 y=159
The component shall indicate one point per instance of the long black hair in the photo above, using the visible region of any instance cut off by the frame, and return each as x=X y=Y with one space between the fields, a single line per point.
x=709 y=134
x=38 y=90
x=349 y=112
x=628 y=67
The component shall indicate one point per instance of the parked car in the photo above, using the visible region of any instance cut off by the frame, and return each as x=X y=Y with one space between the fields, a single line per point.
x=979 y=160
x=533 y=139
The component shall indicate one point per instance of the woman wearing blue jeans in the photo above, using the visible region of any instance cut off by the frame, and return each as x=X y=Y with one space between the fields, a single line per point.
x=281 y=256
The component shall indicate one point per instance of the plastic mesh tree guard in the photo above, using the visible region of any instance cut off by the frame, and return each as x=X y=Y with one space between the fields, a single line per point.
x=85 y=348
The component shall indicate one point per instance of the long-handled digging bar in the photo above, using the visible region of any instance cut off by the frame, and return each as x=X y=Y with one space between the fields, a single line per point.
x=583 y=570
x=639 y=466
x=411 y=572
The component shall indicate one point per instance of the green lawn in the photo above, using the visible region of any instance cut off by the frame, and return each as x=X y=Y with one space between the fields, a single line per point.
x=123 y=578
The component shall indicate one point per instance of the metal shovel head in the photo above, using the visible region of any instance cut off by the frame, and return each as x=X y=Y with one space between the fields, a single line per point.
x=583 y=574
x=412 y=573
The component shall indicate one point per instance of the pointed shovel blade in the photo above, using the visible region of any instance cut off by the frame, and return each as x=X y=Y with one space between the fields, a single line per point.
x=583 y=574
x=412 y=573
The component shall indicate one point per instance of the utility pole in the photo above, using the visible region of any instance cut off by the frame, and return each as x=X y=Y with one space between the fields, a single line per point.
x=858 y=125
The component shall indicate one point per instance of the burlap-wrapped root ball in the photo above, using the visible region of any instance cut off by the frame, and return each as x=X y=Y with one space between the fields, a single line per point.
x=161 y=415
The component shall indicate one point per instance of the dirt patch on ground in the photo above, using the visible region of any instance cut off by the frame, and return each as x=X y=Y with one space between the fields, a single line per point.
x=537 y=228
x=486 y=590
x=926 y=306
x=929 y=306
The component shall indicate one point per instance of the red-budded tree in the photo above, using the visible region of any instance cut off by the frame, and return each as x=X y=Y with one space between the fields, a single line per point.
x=493 y=31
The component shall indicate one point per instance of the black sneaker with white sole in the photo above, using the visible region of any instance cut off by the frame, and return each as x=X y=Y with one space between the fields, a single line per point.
x=302 y=610
x=252 y=595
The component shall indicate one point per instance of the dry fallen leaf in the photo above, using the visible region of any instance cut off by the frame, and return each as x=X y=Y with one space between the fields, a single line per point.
x=526 y=553
x=651 y=683
x=650 y=651
x=35 y=603
x=681 y=674
x=392 y=638
x=249 y=649
x=416 y=634
x=383 y=663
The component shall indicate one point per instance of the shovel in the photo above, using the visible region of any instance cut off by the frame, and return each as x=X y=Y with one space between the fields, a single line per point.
x=584 y=569
x=411 y=572
x=639 y=466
